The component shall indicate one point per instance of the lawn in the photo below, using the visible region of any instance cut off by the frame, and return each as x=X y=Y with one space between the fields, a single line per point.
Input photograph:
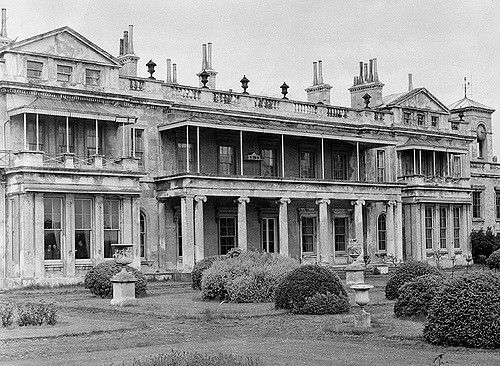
x=173 y=316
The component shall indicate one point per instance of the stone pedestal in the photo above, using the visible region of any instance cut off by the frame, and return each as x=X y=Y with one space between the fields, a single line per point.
x=362 y=320
x=123 y=289
x=354 y=274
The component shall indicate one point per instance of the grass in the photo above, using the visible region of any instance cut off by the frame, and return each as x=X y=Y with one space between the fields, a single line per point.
x=176 y=358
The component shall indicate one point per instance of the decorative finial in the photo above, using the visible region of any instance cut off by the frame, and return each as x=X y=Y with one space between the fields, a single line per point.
x=151 y=68
x=284 y=90
x=367 y=98
x=244 y=84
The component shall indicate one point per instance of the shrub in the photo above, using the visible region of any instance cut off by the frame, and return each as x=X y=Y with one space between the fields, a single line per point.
x=483 y=244
x=299 y=291
x=405 y=273
x=36 y=314
x=415 y=296
x=249 y=277
x=7 y=314
x=176 y=358
x=198 y=270
x=466 y=312
x=98 y=279
x=494 y=260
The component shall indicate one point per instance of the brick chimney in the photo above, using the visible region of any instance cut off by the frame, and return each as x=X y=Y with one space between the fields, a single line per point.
x=127 y=56
x=206 y=65
x=4 y=40
x=366 y=82
x=319 y=92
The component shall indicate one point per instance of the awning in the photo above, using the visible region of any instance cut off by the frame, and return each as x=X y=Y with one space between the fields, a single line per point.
x=75 y=109
x=431 y=145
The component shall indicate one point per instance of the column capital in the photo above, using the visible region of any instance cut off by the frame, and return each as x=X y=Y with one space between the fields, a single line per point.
x=320 y=201
x=200 y=199
x=241 y=200
x=284 y=200
x=358 y=202
x=391 y=203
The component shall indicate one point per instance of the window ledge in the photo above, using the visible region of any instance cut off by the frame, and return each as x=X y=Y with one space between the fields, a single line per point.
x=478 y=219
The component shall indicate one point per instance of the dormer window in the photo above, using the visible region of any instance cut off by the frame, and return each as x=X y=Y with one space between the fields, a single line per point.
x=420 y=119
x=34 y=69
x=64 y=73
x=92 y=77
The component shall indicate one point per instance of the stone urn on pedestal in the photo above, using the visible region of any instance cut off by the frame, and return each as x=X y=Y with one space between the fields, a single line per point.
x=123 y=282
x=354 y=272
x=362 y=298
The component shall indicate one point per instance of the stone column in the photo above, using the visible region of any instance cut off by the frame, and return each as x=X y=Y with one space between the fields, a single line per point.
x=323 y=251
x=162 y=234
x=358 y=226
x=398 y=227
x=283 y=225
x=135 y=228
x=242 y=222
x=187 y=233
x=68 y=247
x=39 y=241
x=199 y=235
x=3 y=237
x=27 y=257
x=391 y=249
x=98 y=255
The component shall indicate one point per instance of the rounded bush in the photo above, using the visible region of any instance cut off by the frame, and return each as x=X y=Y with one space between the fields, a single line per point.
x=415 y=296
x=405 y=273
x=300 y=291
x=466 y=312
x=248 y=277
x=493 y=260
x=198 y=270
x=98 y=279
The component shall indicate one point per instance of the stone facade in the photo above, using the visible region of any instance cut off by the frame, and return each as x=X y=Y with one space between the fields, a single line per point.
x=93 y=155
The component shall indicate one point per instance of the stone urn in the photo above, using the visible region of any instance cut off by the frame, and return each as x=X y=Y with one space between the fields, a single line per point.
x=123 y=282
x=362 y=298
x=123 y=253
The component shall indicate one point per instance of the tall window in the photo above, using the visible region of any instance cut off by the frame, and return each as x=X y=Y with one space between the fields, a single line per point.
x=52 y=224
x=307 y=164
x=456 y=227
x=420 y=119
x=308 y=233
x=139 y=145
x=407 y=118
x=227 y=234
x=269 y=234
x=457 y=166
x=381 y=166
x=497 y=204
x=443 y=224
x=268 y=165
x=429 y=227
x=111 y=225
x=31 y=132
x=434 y=121
x=83 y=227
x=339 y=161
x=182 y=157
x=142 y=233
x=476 y=205
x=64 y=73
x=340 y=224
x=227 y=164
x=92 y=77
x=382 y=233
x=34 y=69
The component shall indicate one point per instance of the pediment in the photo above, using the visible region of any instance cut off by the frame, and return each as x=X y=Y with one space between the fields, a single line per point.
x=421 y=99
x=65 y=43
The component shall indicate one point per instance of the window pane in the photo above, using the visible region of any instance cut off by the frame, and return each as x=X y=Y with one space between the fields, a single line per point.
x=82 y=244
x=110 y=237
x=52 y=244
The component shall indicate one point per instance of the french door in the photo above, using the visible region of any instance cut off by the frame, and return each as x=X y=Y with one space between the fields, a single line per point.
x=269 y=235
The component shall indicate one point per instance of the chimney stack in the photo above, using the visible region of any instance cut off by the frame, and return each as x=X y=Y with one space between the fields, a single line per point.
x=315 y=73
x=375 y=73
x=174 y=73
x=361 y=78
x=209 y=61
x=410 y=82
x=125 y=42
x=320 y=72
x=169 y=70
x=366 y=83
x=370 y=75
x=3 y=32
x=204 y=57
x=365 y=72
x=121 y=46
x=131 y=39
x=127 y=57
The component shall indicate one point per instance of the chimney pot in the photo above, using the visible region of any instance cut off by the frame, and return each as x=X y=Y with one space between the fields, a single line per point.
x=125 y=42
x=174 y=73
x=315 y=73
x=209 y=61
x=204 y=64
x=375 y=72
x=410 y=82
x=365 y=71
x=131 y=39
x=3 y=31
x=320 y=72
x=361 y=78
x=121 y=46
x=370 y=77
x=169 y=70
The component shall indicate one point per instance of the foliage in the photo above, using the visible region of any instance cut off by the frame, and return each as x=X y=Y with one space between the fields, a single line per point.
x=248 y=277
x=98 y=279
x=483 y=244
x=494 y=260
x=176 y=358
x=198 y=270
x=319 y=304
x=296 y=291
x=7 y=314
x=36 y=314
x=415 y=296
x=466 y=312
x=405 y=273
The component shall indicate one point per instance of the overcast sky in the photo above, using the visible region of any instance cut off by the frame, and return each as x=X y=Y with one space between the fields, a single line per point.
x=438 y=41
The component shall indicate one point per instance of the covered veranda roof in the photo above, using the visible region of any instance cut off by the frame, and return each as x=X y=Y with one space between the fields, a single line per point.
x=73 y=108
x=418 y=143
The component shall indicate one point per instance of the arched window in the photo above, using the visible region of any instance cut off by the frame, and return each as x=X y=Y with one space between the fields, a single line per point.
x=382 y=233
x=142 y=233
x=481 y=141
